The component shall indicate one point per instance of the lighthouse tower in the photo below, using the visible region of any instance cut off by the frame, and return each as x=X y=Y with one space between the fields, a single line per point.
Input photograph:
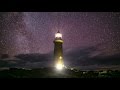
x=58 y=51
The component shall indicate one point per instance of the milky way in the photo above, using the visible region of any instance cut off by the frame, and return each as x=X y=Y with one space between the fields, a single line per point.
x=33 y=32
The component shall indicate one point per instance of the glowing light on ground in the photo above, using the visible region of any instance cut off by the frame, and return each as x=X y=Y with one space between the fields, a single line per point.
x=59 y=66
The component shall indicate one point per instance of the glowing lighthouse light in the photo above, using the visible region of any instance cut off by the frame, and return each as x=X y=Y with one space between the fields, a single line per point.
x=58 y=35
x=59 y=65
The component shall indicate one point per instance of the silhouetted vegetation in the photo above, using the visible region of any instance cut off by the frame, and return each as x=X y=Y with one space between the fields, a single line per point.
x=53 y=73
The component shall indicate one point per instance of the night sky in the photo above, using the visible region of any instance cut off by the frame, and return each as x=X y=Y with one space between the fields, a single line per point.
x=91 y=39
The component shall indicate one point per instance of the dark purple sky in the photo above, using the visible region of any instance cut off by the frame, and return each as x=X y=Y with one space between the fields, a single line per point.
x=33 y=32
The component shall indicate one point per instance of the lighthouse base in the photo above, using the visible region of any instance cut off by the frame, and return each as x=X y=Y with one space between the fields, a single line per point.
x=59 y=66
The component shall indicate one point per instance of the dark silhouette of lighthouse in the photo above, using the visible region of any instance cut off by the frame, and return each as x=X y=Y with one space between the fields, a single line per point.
x=58 y=51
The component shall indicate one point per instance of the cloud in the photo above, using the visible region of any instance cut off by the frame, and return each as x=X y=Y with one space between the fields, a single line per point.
x=90 y=58
x=27 y=60
x=81 y=57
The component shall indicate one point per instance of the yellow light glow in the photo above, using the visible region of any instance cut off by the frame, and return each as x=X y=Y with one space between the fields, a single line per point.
x=59 y=66
x=60 y=57
x=58 y=35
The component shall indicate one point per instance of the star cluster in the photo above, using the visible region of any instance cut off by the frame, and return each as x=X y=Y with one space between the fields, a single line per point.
x=33 y=32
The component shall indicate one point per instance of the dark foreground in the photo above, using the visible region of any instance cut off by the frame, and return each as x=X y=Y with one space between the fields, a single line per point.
x=53 y=73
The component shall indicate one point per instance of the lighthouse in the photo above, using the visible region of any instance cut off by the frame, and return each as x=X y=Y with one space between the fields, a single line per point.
x=58 y=51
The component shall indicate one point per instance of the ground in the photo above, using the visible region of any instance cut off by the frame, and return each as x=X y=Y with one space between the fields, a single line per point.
x=53 y=73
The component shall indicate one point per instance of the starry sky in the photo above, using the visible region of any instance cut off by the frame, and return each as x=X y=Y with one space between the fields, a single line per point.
x=90 y=38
